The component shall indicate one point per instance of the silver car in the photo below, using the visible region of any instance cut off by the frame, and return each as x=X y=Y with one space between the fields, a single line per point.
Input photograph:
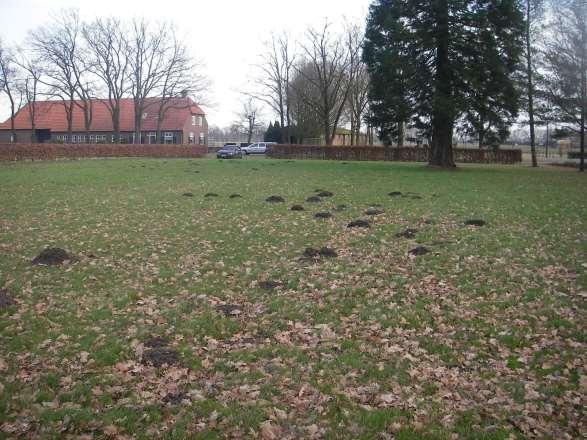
x=258 y=148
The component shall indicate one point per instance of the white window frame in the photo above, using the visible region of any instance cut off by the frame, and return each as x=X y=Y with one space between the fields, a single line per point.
x=152 y=136
x=202 y=139
x=194 y=120
x=168 y=136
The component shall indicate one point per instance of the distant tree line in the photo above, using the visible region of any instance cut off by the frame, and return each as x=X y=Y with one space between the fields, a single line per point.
x=76 y=62
x=476 y=67
x=314 y=86
x=441 y=67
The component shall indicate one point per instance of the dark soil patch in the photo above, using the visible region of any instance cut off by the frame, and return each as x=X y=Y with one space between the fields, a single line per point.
x=476 y=222
x=325 y=194
x=323 y=215
x=340 y=208
x=254 y=169
x=161 y=356
x=52 y=257
x=313 y=199
x=208 y=195
x=235 y=196
x=175 y=398
x=318 y=190
x=419 y=250
x=5 y=299
x=156 y=342
x=395 y=194
x=270 y=284
x=344 y=163
x=188 y=194
x=359 y=224
x=373 y=211
x=322 y=252
x=328 y=252
x=275 y=199
x=229 y=309
x=297 y=208
x=408 y=233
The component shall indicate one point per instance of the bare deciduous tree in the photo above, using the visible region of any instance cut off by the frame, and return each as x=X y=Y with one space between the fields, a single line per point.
x=181 y=77
x=109 y=61
x=9 y=84
x=59 y=47
x=273 y=81
x=325 y=70
x=358 y=82
x=28 y=83
x=565 y=61
x=248 y=118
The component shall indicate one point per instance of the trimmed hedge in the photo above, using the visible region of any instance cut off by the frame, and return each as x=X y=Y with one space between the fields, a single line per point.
x=14 y=152
x=405 y=154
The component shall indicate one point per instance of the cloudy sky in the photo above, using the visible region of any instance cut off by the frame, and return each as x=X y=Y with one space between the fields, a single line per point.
x=226 y=34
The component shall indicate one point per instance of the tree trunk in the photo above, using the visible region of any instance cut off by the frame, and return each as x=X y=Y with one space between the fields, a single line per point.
x=583 y=91
x=530 y=87
x=400 y=134
x=442 y=119
x=138 y=123
x=12 y=129
x=116 y=124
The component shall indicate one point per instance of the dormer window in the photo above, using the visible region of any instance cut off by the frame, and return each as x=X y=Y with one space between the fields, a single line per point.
x=145 y=115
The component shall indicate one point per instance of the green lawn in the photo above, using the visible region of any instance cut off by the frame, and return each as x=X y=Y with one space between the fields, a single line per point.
x=483 y=337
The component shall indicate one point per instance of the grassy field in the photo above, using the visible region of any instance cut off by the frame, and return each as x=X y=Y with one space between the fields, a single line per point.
x=200 y=317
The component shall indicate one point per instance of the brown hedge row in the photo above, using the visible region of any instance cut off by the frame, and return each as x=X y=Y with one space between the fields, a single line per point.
x=13 y=152
x=405 y=154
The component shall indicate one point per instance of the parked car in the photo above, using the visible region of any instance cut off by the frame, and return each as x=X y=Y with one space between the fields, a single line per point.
x=258 y=148
x=229 y=151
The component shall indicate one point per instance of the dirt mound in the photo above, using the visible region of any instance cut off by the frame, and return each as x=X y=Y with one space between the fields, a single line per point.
x=270 y=284
x=476 y=222
x=156 y=342
x=52 y=257
x=188 y=194
x=208 y=195
x=340 y=208
x=359 y=224
x=160 y=356
x=323 y=215
x=313 y=199
x=322 y=252
x=275 y=199
x=175 y=398
x=395 y=194
x=235 y=196
x=5 y=299
x=373 y=211
x=419 y=250
x=408 y=233
x=325 y=194
x=297 y=208
x=229 y=309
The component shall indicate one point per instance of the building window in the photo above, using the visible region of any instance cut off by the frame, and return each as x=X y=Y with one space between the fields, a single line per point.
x=193 y=119
x=168 y=137
x=145 y=115
x=200 y=120
x=152 y=138
x=92 y=139
x=191 y=138
x=202 y=139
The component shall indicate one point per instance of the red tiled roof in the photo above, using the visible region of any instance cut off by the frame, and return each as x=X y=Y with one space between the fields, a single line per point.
x=51 y=115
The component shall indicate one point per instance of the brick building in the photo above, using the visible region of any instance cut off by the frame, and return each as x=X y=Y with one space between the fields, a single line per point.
x=183 y=122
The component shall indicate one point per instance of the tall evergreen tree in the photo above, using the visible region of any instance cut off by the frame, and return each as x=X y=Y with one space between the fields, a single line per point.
x=391 y=71
x=492 y=98
x=434 y=44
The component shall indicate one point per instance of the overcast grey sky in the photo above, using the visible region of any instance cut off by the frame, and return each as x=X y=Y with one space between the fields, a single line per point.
x=226 y=34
